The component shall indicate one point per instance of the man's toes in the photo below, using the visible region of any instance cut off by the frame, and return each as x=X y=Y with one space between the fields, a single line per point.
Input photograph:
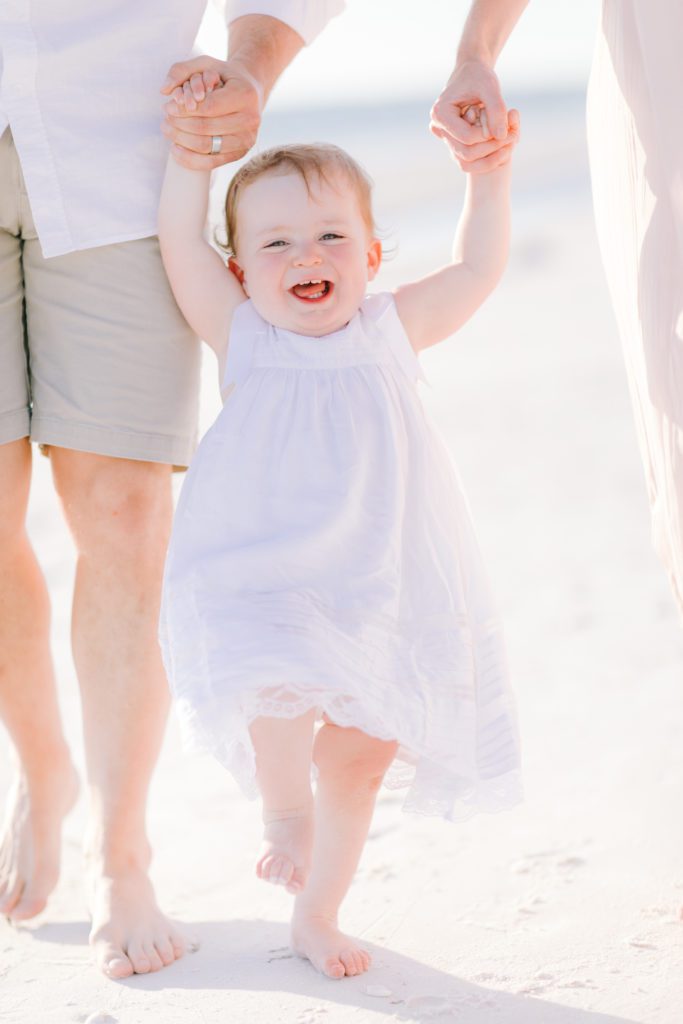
x=112 y=961
x=155 y=961
x=11 y=896
x=28 y=906
x=180 y=944
x=139 y=958
x=164 y=948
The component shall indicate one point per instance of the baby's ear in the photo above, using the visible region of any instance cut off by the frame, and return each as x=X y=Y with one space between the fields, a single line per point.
x=374 y=258
x=235 y=268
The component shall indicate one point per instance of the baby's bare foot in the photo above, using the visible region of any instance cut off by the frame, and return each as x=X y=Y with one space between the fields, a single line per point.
x=129 y=934
x=286 y=849
x=31 y=839
x=331 y=952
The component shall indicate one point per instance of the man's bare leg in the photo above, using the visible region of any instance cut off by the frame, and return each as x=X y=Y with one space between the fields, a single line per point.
x=351 y=767
x=46 y=786
x=284 y=749
x=119 y=512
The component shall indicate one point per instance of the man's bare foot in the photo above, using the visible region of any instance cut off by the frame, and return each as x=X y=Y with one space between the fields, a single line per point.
x=129 y=934
x=331 y=952
x=30 y=842
x=286 y=849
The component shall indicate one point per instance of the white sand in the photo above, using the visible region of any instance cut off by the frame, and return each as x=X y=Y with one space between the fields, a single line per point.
x=565 y=910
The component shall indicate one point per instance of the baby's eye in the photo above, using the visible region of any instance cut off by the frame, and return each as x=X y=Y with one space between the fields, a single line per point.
x=330 y=236
x=276 y=244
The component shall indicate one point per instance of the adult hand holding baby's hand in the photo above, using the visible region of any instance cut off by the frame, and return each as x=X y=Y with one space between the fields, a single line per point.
x=213 y=113
x=471 y=117
x=480 y=158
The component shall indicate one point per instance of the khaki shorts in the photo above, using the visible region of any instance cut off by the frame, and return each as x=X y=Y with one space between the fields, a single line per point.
x=94 y=353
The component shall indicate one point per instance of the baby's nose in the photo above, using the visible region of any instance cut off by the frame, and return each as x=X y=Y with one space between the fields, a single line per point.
x=308 y=256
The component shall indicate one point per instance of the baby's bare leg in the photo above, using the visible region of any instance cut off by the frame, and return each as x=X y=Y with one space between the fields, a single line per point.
x=283 y=767
x=351 y=766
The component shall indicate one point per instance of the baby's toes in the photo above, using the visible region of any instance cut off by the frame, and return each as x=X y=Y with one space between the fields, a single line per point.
x=334 y=968
x=296 y=882
x=351 y=964
x=264 y=866
x=282 y=871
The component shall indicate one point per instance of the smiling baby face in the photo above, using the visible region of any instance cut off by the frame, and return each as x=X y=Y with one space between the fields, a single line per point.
x=304 y=247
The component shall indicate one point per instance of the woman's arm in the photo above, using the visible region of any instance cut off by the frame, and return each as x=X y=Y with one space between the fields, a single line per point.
x=205 y=289
x=473 y=81
x=433 y=308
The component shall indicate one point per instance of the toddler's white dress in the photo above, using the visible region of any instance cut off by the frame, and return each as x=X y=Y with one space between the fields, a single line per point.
x=323 y=556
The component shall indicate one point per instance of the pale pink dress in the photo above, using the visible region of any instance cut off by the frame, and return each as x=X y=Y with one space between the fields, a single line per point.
x=635 y=140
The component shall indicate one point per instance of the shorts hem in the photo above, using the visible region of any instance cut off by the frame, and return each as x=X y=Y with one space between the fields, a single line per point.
x=119 y=444
x=14 y=425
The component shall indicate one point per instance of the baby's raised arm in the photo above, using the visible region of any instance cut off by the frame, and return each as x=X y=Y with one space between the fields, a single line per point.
x=434 y=307
x=205 y=289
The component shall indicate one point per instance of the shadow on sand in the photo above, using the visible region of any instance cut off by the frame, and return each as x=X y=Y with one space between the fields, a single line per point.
x=253 y=955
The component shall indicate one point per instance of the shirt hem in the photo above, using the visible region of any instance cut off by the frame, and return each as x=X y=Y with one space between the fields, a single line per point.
x=50 y=251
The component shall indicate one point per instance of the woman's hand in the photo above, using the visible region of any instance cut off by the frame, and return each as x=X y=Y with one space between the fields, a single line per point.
x=471 y=117
x=480 y=157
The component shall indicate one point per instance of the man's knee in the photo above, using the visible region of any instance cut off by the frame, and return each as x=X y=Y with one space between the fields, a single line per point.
x=353 y=758
x=114 y=503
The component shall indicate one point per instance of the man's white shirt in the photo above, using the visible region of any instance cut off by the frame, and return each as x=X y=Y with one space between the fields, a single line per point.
x=79 y=88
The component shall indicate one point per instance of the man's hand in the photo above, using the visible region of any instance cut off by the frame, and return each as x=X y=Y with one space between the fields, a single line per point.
x=473 y=86
x=211 y=99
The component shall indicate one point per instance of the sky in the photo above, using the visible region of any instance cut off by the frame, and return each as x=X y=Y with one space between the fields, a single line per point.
x=383 y=49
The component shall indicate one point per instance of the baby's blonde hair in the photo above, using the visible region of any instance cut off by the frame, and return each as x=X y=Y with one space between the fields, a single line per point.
x=314 y=162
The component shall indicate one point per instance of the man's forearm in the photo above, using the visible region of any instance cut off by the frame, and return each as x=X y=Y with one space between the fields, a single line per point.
x=487 y=29
x=263 y=46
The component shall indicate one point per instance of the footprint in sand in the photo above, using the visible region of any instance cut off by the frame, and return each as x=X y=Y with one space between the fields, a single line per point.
x=579 y=983
x=378 y=991
x=432 y=1008
x=281 y=953
x=562 y=858
x=640 y=942
x=381 y=873
x=658 y=913
x=312 y=1014
x=542 y=982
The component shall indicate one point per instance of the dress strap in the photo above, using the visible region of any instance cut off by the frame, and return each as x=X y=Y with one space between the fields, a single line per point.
x=247 y=325
x=380 y=311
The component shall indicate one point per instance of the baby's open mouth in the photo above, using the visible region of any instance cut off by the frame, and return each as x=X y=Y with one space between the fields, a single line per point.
x=312 y=291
